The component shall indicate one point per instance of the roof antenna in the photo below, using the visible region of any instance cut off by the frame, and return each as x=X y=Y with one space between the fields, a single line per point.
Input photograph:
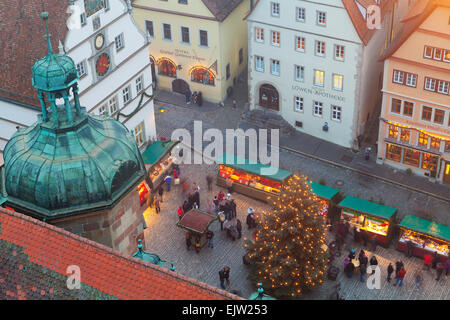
x=44 y=16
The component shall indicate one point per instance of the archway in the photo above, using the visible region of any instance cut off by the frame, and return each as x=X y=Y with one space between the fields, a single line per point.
x=180 y=86
x=269 y=97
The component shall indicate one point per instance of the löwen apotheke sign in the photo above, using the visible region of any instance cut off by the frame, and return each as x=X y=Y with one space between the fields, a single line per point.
x=319 y=92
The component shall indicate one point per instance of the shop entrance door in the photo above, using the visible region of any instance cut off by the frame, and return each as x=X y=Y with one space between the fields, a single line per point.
x=447 y=172
x=269 y=97
x=180 y=86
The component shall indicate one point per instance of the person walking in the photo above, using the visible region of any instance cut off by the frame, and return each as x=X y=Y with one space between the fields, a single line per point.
x=239 y=228
x=156 y=204
x=427 y=260
x=439 y=270
x=168 y=180
x=390 y=270
x=362 y=271
x=435 y=260
x=398 y=266
x=180 y=212
x=373 y=263
x=216 y=204
x=349 y=269
x=209 y=237
x=188 y=241
x=221 y=219
x=161 y=192
x=233 y=209
x=221 y=195
x=418 y=277
x=363 y=258
x=209 y=181
x=224 y=276
x=400 y=276
x=196 y=198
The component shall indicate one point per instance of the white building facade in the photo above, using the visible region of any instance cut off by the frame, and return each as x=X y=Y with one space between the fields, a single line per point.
x=315 y=65
x=111 y=54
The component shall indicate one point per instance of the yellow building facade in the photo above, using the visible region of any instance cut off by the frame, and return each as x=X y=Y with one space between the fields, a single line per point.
x=195 y=45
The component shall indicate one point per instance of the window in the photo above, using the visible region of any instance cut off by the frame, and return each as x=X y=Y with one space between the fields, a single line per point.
x=126 y=94
x=423 y=140
x=106 y=5
x=139 y=134
x=339 y=52
x=275 y=38
x=182 y=1
x=429 y=162
x=149 y=28
x=203 y=38
x=318 y=108
x=228 y=71
x=81 y=68
x=393 y=153
x=167 y=68
x=300 y=73
x=185 y=35
x=103 y=110
x=428 y=52
x=430 y=84
x=259 y=63
x=336 y=113
x=241 y=55
x=435 y=143
x=338 y=82
x=298 y=104
x=446 y=57
x=393 y=132
x=408 y=108
x=321 y=18
x=300 y=44
x=411 y=157
x=275 y=9
x=203 y=76
x=396 y=105
x=447 y=146
x=119 y=42
x=320 y=48
x=437 y=54
x=442 y=87
x=404 y=135
x=301 y=14
x=112 y=103
x=276 y=67
x=139 y=84
x=439 y=116
x=83 y=19
x=411 y=80
x=259 y=33
x=319 y=78
x=399 y=76
x=167 y=31
x=426 y=113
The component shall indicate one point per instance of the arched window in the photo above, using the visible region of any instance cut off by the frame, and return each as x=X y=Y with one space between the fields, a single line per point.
x=167 y=68
x=202 y=75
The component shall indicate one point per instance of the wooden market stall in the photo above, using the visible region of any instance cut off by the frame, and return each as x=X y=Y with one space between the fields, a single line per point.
x=376 y=219
x=325 y=195
x=197 y=222
x=426 y=237
x=249 y=177
x=158 y=162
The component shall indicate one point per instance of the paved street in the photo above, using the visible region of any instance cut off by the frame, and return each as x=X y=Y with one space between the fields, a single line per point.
x=164 y=238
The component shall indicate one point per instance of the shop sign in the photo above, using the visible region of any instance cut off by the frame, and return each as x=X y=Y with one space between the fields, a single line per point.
x=183 y=54
x=319 y=92
x=437 y=129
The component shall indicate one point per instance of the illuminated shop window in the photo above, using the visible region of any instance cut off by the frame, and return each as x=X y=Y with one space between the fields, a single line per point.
x=393 y=153
x=435 y=143
x=405 y=135
x=411 y=157
x=393 y=132
x=429 y=162
x=423 y=140
x=202 y=75
x=167 y=68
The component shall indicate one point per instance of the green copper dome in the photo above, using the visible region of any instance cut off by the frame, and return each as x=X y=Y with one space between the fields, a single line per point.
x=54 y=72
x=55 y=170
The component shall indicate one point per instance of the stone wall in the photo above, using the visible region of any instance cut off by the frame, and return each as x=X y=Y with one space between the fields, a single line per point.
x=117 y=228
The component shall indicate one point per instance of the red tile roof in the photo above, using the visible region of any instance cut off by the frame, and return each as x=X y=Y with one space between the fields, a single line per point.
x=221 y=8
x=412 y=20
x=22 y=43
x=34 y=257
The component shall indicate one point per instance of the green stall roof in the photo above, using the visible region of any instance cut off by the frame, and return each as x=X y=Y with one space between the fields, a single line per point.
x=157 y=150
x=425 y=226
x=323 y=191
x=369 y=207
x=252 y=167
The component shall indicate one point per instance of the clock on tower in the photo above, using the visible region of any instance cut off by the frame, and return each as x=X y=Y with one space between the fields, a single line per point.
x=92 y=6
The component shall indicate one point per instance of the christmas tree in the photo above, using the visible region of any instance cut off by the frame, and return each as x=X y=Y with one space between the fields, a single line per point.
x=289 y=254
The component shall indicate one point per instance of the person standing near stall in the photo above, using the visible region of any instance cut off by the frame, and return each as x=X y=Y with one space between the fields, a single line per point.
x=216 y=204
x=373 y=263
x=439 y=270
x=209 y=237
x=390 y=270
x=427 y=260
x=221 y=219
x=168 y=180
x=180 y=212
x=188 y=241
x=362 y=271
x=349 y=268
x=435 y=260
x=239 y=228
x=400 y=276
x=157 y=207
x=224 y=276
x=161 y=192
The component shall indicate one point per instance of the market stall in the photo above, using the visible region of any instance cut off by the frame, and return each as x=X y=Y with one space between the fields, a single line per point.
x=425 y=236
x=158 y=162
x=374 y=218
x=249 y=178
x=197 y=222
x=325 y=195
